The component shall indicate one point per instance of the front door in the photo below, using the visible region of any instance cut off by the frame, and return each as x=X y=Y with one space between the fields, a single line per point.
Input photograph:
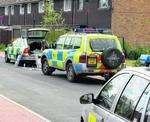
x=102 y=109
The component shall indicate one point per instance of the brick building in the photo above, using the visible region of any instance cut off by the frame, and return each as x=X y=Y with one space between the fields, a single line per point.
x=131 y=19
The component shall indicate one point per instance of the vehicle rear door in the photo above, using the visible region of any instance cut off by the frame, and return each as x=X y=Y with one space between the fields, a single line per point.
x=97 y=45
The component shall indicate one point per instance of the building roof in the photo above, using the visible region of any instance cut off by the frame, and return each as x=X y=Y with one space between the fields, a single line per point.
x=11 y=2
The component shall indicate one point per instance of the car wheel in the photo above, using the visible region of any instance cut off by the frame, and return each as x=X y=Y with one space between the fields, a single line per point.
x=46 y=69
x=71 y=76
x=81 y=119
x=147 y=64
x=7 y=60
x=21 y=63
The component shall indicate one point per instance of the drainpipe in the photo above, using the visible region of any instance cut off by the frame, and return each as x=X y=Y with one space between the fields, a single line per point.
x=87 y=12
x=73 y=12
x=9 y=16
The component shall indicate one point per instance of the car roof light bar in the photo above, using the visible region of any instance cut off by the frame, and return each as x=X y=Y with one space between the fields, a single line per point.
x=92 y=30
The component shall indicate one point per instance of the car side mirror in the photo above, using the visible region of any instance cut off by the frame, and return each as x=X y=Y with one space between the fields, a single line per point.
x=87 y=98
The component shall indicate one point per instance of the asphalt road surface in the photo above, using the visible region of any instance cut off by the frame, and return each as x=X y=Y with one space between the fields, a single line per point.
x=53 y=97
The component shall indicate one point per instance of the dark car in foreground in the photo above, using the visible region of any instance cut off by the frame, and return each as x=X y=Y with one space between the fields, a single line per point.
x=124 y=98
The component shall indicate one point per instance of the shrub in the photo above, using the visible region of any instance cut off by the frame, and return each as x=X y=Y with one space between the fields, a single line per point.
x=2 y=47
x=134 y=53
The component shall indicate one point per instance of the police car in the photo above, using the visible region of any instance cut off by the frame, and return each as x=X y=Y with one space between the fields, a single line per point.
x=27 y=49
x=84 y=52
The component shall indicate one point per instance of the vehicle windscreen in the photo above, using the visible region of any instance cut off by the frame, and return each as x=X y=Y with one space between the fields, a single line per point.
x=37 y=34
x=102 y=44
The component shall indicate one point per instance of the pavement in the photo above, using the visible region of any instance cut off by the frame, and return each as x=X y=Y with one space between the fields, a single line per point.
x=11 y=111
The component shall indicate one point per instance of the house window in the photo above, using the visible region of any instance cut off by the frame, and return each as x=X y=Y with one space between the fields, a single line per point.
x=104 y=4
x=29 y=8
x=12 y=10
x=67 y=5
x=41 y=7
x=6 y=10
x=21 y=9
x=81 y=3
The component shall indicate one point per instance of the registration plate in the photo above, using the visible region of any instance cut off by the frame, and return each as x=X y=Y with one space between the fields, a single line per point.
x=91 y=61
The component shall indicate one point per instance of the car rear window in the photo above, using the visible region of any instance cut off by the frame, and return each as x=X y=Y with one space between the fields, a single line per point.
x=36 y=34
x=102 y=44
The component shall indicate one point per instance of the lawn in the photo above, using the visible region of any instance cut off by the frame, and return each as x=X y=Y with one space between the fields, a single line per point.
x=132 y=63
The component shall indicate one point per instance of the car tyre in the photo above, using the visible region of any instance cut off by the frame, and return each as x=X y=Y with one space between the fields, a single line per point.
x=21 y=63
x=81 y=119
x=70 y=73
x=7 y=60
x=46 y=69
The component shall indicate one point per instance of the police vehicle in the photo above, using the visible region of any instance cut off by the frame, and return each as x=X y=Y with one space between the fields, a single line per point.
x=86 y=51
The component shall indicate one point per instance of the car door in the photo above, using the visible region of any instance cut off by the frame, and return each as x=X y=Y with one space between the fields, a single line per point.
x=102 y=107
x=57 y=54
x=142 y=111
x=128 y=101
x=12 y=50
x=16 y=48
x=9 y=50
x=146 y=116
x=68 y=49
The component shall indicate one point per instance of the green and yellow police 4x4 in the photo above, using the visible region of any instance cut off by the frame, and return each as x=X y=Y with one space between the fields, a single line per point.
x=84 y=54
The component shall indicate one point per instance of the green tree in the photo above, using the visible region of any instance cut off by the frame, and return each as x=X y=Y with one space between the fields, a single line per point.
x=51 y=17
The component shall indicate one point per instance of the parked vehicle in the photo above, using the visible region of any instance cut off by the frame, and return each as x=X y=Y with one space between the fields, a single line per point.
x=124 y=98
x=145 y=60
x=29 y=48
x=81 y=53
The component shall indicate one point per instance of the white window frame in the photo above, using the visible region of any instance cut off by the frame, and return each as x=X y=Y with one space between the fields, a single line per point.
x=29 y=8
x=104 y=4
x=41 y=6
x=67 y=5
x=81 y=5
x=6 y=10
x=12 y=9
x=21 y=9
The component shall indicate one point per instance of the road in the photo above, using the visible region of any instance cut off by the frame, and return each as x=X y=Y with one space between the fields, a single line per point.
x=53 y=97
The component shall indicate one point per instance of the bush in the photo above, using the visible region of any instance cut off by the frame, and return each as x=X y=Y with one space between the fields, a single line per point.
x=134 y=53
x=126 y=47
x=2 y=47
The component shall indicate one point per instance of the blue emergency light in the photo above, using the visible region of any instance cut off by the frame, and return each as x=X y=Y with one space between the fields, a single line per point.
x=91 y=30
